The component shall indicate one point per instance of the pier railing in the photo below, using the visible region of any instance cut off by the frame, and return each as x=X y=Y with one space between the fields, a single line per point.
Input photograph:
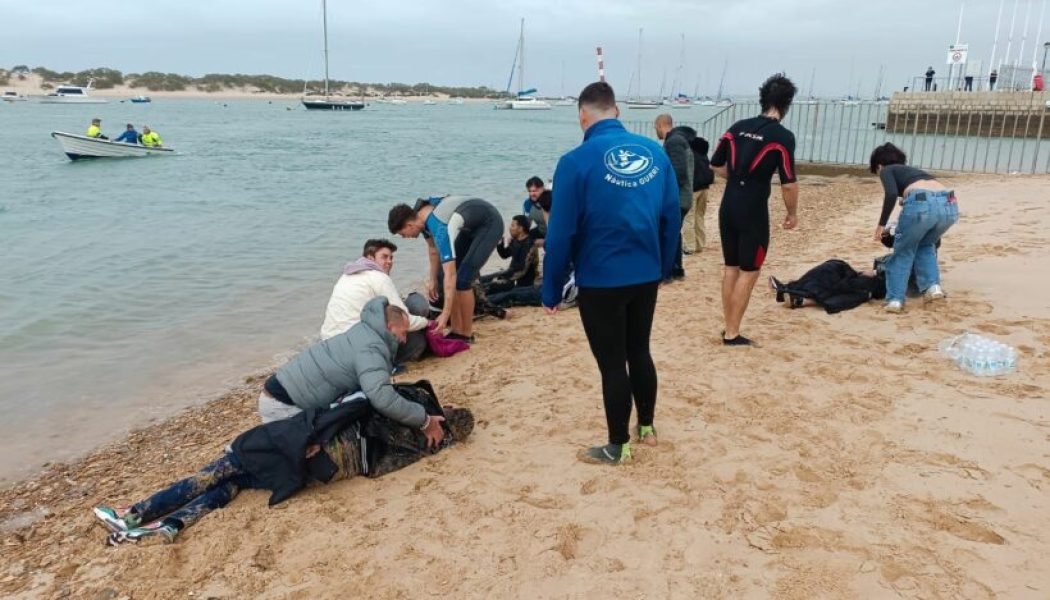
x=994 y=139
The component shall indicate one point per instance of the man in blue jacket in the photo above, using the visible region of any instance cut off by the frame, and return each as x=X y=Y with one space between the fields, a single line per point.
x=615 y=216
x=130 y=136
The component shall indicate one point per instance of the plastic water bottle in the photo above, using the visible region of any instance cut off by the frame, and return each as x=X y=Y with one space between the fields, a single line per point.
x=979 y=355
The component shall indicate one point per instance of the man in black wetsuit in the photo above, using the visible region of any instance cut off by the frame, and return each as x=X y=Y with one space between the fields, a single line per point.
x=747 y=156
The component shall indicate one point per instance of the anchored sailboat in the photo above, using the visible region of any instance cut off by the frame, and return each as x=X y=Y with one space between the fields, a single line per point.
x=328 y=103
x=636 y=101
x=525 y=99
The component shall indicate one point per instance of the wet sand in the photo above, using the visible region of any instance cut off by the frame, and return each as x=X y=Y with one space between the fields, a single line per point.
x=844 y=458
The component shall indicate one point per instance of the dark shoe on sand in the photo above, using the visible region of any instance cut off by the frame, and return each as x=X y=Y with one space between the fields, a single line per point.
x=739 y=340
x=609 y=454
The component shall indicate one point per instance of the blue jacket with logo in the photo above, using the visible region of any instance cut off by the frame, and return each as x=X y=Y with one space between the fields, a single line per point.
x=614 y=214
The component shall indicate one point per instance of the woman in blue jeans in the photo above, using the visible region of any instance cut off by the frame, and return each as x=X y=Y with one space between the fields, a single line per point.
x=928 y=210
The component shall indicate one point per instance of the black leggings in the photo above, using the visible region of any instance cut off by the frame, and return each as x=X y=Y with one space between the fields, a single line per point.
x=618 y=322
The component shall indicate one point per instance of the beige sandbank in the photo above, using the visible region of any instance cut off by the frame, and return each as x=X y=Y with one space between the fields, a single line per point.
x=845 y=458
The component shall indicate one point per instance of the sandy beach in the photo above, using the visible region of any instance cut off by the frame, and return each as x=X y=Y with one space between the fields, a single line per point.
x=844 y=458
x=30 y=87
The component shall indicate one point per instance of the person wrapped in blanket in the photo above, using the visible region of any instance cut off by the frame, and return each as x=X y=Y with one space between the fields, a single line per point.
x=835 y=286
x=342 y=441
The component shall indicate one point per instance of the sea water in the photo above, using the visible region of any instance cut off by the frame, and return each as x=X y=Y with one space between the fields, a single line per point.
x=132 y=288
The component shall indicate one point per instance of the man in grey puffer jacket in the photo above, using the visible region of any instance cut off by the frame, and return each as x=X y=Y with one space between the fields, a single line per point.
x=359 y=360
x=676 y=144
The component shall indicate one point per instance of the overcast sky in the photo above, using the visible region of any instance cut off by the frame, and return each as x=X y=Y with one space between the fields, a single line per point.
x=472 y=42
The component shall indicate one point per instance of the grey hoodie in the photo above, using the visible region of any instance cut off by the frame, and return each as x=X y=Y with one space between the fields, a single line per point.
x=359 y=360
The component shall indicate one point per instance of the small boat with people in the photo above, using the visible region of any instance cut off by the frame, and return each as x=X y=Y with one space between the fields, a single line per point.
x=78 y=147
x=141 y=99
x=72 y=94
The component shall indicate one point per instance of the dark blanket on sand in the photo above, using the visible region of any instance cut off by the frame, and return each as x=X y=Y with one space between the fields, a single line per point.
x=836 y=286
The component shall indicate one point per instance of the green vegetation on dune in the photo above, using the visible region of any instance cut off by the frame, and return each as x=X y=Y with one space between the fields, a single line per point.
x=217 y=82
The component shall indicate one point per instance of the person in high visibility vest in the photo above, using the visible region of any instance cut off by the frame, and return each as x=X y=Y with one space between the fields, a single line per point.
x=150 y=138
x=95 y=130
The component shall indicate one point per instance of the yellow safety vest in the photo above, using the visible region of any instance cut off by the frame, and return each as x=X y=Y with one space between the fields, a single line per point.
x=94 y=131
x=151 y=139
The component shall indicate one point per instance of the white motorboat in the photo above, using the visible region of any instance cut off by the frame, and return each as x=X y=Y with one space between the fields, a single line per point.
x=456 y=101
x=77 y=147
x=565 y=102
x=12 y=97
x=72 y=94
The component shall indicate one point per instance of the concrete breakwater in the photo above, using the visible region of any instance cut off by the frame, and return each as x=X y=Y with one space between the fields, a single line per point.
x=979 y=114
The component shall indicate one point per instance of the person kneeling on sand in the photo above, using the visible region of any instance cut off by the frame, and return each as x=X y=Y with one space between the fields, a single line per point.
x=369 y=277
x=359 y=360
x=325 y=445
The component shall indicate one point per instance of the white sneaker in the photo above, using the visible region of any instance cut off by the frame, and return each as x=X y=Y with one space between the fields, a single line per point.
x=893 y=306
x=934 y=293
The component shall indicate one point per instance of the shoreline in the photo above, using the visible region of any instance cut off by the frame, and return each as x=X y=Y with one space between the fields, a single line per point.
x=30 y=88
x=859 y=463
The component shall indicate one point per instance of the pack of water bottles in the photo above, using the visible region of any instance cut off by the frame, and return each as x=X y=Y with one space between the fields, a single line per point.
x=979 y=355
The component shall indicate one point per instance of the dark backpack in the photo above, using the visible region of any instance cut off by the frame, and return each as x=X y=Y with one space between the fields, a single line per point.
x=703 y=176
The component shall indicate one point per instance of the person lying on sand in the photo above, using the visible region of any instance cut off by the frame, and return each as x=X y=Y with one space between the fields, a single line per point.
x=341 y=442
x=833 y=285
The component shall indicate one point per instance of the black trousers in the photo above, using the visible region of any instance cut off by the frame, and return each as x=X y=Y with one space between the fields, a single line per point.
x=618 y=322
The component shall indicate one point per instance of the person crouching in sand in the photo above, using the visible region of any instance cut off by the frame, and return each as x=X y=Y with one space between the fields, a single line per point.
x=340 y=442
x=928 y=210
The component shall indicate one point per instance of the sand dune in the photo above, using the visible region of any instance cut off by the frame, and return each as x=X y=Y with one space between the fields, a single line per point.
x=842 y=459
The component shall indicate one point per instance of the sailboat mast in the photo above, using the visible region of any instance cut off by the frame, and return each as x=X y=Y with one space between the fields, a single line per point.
x=722 y=81
x=639 y=67
x=521 y=65
x=324 y=18
x=812 y=78
x=679 y=82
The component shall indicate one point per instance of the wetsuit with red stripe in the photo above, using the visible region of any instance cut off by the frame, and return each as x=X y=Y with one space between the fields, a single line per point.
x=752 y=150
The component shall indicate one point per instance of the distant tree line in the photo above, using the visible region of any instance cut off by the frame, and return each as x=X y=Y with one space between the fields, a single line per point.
x=216 y=82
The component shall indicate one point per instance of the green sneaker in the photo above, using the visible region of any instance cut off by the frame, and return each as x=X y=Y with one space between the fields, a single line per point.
x=609 y=454
x=647 y=435
x=154 y=532
x=116 y=519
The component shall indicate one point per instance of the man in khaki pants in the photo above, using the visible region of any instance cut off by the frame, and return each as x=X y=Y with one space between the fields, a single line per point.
x=694 y=237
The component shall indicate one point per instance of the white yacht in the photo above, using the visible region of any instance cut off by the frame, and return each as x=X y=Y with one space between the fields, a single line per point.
x=72 y=94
